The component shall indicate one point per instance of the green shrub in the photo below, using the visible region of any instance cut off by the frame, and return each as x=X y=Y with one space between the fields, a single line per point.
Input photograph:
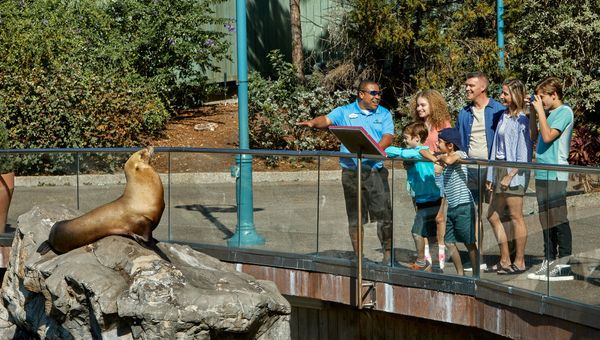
x=276 y=105
x=94 y=73
x=408 y=45
x=63 y=110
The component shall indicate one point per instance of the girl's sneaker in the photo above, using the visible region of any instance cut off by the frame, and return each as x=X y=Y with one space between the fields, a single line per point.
x=442 y=257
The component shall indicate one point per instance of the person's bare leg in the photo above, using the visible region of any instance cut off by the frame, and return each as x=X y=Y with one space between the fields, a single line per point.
x=455 y=255
x=440 y=221
x=7 y=185
x=472 y=249
x=420 y=246
x=494 y=211
x=515 y=208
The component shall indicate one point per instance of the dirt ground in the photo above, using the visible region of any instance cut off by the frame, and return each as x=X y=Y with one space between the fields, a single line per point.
x=215 y=126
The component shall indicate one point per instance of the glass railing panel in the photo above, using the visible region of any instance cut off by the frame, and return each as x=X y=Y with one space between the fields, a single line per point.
x=403 y=215
x=417 y=209
x=100 y=177
x=285 y=201
x=574 y=270
x=475 y=183
x=200 y=197
x=41 y=179
x=334 y=239
x=511 y=242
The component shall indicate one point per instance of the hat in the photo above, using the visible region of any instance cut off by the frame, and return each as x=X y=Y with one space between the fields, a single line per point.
x=451 y=135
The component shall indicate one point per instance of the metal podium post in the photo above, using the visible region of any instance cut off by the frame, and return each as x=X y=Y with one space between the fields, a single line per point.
x=359 y=236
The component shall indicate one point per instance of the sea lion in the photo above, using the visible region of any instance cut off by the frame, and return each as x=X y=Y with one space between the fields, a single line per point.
x=135 y=214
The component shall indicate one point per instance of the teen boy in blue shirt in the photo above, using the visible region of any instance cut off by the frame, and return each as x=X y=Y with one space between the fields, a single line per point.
x=553 y=131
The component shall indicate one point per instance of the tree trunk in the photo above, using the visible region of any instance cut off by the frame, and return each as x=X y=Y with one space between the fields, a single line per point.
x=297 y=54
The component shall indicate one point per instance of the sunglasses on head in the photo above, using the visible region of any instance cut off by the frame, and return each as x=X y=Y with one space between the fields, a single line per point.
x=373 y=93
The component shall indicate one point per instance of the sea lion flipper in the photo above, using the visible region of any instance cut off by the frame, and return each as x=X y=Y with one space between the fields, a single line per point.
x=44 y=248
x=140 y=239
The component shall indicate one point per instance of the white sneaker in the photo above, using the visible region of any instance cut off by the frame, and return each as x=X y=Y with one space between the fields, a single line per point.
x=541 y=272
x=482 y=267
x=559 y=272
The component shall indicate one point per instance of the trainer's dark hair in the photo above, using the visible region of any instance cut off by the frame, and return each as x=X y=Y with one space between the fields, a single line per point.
x=364 y=83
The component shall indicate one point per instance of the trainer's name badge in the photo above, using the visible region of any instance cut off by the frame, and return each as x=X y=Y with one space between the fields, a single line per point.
x=353 y=116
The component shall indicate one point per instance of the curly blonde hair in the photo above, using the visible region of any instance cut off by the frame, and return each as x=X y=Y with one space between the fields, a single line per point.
x=437 y=104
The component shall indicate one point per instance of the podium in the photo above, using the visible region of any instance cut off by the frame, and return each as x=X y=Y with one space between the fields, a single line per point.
x=358 y=141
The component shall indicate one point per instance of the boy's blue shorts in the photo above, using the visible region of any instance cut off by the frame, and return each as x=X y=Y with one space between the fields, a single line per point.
x=460 y=224
x=424 y=224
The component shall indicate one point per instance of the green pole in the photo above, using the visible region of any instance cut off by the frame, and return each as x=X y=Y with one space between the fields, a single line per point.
x=245 y=234
x=500 y=31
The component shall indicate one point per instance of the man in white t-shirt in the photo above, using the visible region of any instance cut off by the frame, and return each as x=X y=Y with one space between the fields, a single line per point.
x=476 y=123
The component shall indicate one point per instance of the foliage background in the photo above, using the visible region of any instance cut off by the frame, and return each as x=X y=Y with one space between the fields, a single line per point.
x=409 y=45
x=96 y=73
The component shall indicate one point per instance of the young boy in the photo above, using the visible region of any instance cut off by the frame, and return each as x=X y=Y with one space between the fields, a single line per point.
x=553 y=130
x=460 y=218
x=423 y=189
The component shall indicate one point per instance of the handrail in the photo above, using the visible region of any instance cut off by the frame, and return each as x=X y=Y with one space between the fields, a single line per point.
x=306 y=153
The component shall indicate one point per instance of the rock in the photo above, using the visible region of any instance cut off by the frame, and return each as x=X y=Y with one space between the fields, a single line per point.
x=206 y=126
x=115 y=288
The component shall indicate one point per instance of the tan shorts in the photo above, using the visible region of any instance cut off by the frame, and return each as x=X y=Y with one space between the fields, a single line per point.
x=518 y=190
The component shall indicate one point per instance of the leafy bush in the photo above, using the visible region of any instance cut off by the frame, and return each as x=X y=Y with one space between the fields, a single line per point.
x=62 y=110
x=561 y=40
x=94 y=73
x=276 y=105
x=409 y=45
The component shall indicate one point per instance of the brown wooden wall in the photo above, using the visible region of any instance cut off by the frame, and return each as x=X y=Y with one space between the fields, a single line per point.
x=330 y=321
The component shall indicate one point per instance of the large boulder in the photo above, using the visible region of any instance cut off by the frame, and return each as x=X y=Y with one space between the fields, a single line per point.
x=115 y=288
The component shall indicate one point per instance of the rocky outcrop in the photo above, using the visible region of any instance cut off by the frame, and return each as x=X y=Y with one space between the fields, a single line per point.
x=115 y=288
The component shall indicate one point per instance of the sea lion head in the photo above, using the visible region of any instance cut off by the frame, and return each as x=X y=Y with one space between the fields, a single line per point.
x=140 y=159
x=139 y=163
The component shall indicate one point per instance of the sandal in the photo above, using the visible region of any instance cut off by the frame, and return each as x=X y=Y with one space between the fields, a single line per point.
x=511 y=270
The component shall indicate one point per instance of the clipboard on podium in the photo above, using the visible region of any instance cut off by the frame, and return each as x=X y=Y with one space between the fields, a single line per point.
x=357 y=140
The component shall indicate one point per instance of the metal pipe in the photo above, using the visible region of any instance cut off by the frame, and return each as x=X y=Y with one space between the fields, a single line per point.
x=500 y=31
x=245 y=234
x=359 y=233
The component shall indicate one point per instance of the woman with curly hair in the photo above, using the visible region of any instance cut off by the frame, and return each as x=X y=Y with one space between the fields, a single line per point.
x=430 y=107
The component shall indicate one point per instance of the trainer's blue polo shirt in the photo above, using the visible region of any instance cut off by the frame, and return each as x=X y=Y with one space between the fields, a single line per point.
x=376 y=123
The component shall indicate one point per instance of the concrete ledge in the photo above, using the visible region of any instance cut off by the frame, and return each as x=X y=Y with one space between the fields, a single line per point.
x=178 y=178
x=187 y=178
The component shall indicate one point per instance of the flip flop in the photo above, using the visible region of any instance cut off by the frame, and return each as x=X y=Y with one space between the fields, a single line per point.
x=511 y=270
